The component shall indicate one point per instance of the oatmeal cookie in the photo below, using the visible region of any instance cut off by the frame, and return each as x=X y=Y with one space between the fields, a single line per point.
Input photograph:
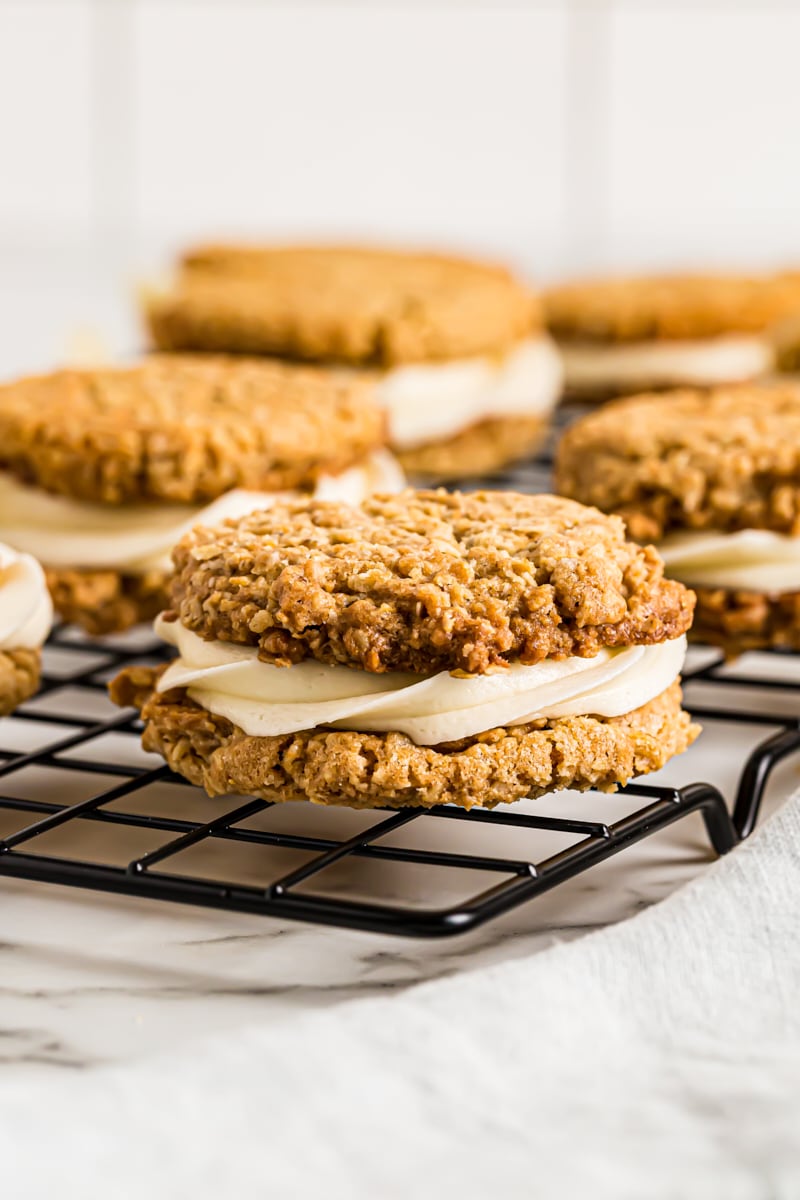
x=738 y=620
x=19 y=677
x=482 y=448
x=425 y=581
x=670 y=307
x=184 y=429
x=724 y=459
x=369 y=770
x=106 y=601
x=362 y=306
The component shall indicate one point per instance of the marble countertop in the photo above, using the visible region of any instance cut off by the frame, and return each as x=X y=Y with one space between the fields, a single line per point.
x=88 y=978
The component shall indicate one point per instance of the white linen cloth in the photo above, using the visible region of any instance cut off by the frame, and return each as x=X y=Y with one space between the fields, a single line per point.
x=658 y=1058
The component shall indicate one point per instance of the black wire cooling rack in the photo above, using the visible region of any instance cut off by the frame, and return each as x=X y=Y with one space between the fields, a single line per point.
x=67 y=742
x=169 y=851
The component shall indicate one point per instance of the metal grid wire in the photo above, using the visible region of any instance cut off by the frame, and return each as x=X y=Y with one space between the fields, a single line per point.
x=77 y=746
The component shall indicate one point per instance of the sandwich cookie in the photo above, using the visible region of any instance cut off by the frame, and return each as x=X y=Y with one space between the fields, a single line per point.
x=456 y=350
x=620 y=336
x=713 y=478
x=102 y=471
x=26 y=614
x=418 y=649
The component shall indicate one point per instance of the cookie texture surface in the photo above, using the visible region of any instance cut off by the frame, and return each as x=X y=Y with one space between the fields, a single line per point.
x=741 y=620
x=426 y=580
x=106 y=601
x=184 y=429
x=365 y=770
x=20 y=671
x=670 y=307
x=723 y=459
x=482 y=448
x=341 y=304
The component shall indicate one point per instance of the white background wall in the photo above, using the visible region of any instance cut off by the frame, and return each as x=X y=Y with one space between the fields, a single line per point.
x=562 y=135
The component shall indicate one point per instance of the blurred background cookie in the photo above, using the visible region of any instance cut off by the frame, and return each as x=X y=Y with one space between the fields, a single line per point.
x=713 y=478
x=102 y=471
x=623 y=335
x=457 y=348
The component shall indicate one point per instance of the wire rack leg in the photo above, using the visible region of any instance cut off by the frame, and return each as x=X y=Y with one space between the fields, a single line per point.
x=755 y=776
x=710 y=802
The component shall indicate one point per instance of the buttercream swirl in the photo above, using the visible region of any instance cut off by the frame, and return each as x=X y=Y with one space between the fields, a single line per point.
x=752 y=560
x=265 y=700
x=26 y=611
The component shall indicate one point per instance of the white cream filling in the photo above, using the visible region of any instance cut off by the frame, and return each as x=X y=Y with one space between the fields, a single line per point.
x=137 y=538
x=726 y=359
x=428 y=402
x=26 y=612
x=265 y=700
x=753 y=560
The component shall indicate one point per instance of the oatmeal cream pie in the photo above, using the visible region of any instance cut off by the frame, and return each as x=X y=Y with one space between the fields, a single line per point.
x=418 y=649
x=456 y=349
x=103 y=470
x=713 y=478
x=26 y=614
x=624 y=335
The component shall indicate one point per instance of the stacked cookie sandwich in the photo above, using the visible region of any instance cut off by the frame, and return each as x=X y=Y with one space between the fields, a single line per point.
x=417 y=649
x=624 y=335
x=102 y=471
x=713 y=478
x=456 y=350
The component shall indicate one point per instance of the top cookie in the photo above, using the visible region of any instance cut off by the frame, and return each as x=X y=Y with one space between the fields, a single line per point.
x=426 y=581
x=669 y=307
x=336 y=304
x=723 y=459
x=184 y=429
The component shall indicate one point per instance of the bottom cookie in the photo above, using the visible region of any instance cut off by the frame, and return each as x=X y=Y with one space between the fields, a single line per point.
x=479 y=450
x=739 y=621
x=106 y=601
x=590 y=397
x=368 y=770
x=19 y=677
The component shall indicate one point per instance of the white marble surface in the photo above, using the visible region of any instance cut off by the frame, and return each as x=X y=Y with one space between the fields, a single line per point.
x=89 y=978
